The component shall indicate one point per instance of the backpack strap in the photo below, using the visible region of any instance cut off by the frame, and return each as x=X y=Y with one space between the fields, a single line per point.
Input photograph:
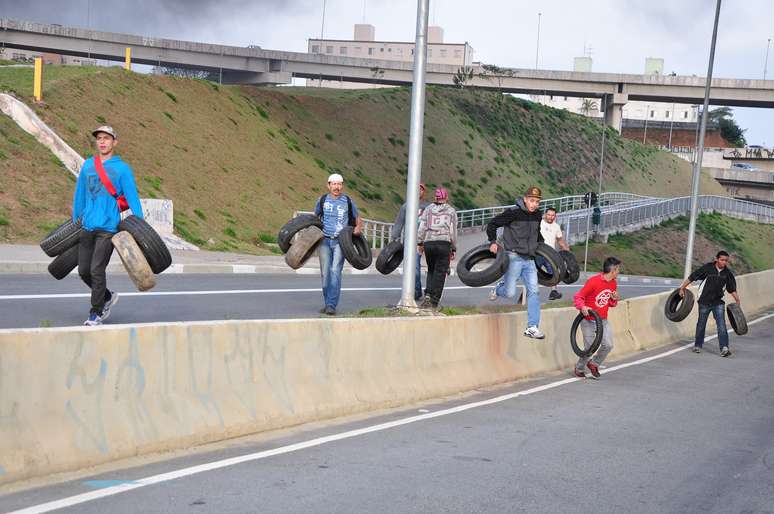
x=351 y=220
x=318 y=209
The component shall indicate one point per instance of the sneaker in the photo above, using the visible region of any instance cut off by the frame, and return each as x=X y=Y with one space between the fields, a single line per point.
x=578 y=373
x=725 y=352
x=554 y=295
x=108 y=304
x=426 y=303
x=493 y=291
x=534 y=332
x=696 y=349
x=594 y=369
x=322 y=311
x=93 y=320
x=330 y=311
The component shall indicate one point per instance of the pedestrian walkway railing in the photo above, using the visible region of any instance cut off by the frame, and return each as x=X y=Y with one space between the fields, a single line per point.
x=619 y=212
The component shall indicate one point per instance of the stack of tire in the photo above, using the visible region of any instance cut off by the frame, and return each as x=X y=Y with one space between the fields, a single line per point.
x=563 y=266
x=141 y=249
x=301 y=236
x=678 y=308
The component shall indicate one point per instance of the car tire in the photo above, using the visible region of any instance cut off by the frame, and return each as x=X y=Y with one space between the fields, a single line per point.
x=677 y=309
x=135 y=263
x=64 y=263
x=292 y=227
x=390 y=257
x=736 y=318
x=572 y=273
x=580 y=352
x=355 y=248
x=151 y=244
x=62 y=238
x=303 y=247
x=555 y=261
x=486 y=276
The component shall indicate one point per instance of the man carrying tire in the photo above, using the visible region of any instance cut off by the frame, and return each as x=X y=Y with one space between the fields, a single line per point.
x=397 y=231
x=599 y=293
x=100 y=215
x=336 y=210
x=521 y=236
x=552 y=235
x=437 y=239
x=717 y=278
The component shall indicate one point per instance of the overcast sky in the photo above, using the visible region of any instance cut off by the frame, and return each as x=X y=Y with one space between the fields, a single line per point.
x=621 y=33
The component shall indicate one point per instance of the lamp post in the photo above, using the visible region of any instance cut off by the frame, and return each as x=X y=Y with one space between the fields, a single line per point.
x=645 y=133
x=671 y=124
x=766 y=61
x=537 y=46
x=700 y=150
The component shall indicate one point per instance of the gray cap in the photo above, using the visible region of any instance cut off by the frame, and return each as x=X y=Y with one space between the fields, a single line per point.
x=107 y=129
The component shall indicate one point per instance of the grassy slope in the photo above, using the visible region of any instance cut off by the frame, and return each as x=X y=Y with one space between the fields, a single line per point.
x=237 y=160
x=660 y=251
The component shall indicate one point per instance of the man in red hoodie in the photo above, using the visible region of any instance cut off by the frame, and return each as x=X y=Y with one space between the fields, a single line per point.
x=599 y=293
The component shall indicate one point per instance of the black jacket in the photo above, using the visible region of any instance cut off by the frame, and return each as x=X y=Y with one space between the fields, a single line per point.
x=522 y=229
x=714 y=283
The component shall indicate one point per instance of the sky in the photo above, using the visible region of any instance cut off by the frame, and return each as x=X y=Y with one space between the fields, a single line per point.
x=620 y=33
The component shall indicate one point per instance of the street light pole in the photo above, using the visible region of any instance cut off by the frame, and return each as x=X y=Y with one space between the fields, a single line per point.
x=645 y=134
x=700 y=150
x=766 y=62
x=537 y=46
x=671 y=124
x=415 y=157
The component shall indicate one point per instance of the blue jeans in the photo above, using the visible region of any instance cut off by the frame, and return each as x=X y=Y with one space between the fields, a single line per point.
x=718 y=311
x=331 y=264
x=418 y=279
x=520 y=267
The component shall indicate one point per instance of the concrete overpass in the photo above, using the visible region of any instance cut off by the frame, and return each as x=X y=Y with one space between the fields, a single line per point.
x=258 y=66
x=756 y=186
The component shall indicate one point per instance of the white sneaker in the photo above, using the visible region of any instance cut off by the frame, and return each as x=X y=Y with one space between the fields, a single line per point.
x=534 y=332
x=108 y=305
x=93 y=320
x=725 y=352
x=493 y=291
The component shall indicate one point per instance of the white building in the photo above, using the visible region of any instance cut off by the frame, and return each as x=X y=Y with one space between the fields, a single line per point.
x=364 y=45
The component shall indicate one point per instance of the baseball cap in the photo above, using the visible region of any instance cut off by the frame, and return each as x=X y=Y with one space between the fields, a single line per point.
x=441 y=194
x=534 y=192
x=107 y=129
x=335 y=177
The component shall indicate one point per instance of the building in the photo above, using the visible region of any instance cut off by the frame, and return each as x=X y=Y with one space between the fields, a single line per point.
x=365 y=46
x=28 y=56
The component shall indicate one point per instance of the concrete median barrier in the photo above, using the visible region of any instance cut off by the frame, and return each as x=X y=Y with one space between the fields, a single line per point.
x=77 y=397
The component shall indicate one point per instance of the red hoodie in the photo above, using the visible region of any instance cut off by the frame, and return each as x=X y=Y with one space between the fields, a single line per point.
x=596 y=295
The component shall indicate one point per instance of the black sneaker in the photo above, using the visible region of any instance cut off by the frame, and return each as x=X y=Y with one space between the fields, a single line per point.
x=725 y=352
x=554 y=295
x=330 y=311
x=696 y=349
x=426 y=303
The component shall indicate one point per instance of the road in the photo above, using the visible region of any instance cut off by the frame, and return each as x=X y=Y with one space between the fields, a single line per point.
x=669 y=431
x=39 y=300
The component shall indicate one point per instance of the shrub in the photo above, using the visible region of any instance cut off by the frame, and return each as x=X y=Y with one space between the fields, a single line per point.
x=200 y=214
x=171 y=96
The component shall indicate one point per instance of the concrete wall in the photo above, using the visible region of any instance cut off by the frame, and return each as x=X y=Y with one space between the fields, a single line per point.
x=71 y=398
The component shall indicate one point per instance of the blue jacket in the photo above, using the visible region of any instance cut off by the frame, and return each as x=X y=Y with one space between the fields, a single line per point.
x=93 y=205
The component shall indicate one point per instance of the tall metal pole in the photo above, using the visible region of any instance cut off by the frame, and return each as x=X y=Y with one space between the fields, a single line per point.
x=599 y=197
x=537 y=46
x=671 y=124
x=415 y=157
x=700 y=150
x=766 y=61
x=322 y=27
x=645 y=134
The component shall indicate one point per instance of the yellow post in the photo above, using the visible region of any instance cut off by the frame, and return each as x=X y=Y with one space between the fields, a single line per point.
x=37 y=88
x=128 y=63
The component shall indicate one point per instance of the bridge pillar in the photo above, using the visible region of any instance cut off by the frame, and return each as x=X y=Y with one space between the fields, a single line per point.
x=613 y=107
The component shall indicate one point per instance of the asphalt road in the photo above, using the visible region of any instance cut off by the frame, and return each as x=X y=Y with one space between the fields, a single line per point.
x=675 y=433
x=38 y=300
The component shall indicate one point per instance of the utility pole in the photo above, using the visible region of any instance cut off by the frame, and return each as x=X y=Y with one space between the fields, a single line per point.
x=671 y=124
x=766 y=61
x=700 y=150
x=415 y=157
x=645 y=134
x=537 y=46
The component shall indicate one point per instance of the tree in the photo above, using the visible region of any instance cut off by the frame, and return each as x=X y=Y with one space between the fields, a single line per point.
x=587 y=106
x=463 y=75
x=495 y=73
x=729 y=129
x=187 y=73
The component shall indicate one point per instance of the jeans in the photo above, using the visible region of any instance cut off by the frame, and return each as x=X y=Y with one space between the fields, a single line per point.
x=540 y=262
x=524 y=268
x=331 y=264
x=94 y=253
x=418 y=279
x=718 y=311
x=589 y=331
x=437 y=254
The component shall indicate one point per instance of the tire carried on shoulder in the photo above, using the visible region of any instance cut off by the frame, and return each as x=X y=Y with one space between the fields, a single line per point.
x=586 y=352
x=555 y=261
x=134 y=261
x=736 y=318
x=62 y=238
x=487 y=275
x=572 y=273
x=676 y=308
x=292 y=227
x=355 y=248
x=151 y=244
x=390 y=257
x=64 y=263
x=304 y=246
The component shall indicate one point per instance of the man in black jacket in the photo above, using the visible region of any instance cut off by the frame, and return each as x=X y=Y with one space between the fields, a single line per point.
x=521 y=236
x=717 y=278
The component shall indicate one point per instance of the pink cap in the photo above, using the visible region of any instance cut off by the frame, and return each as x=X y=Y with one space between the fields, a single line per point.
x=441 y=194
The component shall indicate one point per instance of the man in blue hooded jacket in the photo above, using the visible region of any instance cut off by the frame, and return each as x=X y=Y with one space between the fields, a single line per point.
x=99 y=214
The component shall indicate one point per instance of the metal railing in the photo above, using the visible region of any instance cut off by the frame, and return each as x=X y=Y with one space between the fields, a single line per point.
x=620 y=212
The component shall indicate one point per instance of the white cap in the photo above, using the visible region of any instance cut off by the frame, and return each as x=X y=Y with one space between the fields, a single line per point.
x=335 y=178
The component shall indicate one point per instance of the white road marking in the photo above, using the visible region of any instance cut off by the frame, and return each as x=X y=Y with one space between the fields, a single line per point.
x=219 y=464
x=241 y=291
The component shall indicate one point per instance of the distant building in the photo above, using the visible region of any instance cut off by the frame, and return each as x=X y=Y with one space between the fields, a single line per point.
x=365 y=46
x=28 y=56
